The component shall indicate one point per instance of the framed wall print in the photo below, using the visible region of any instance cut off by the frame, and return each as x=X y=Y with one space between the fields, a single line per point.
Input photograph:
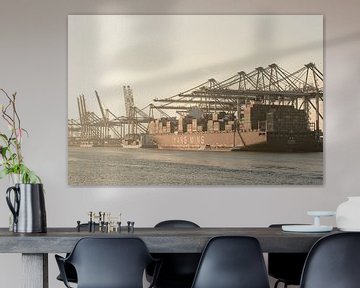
x=195 y=100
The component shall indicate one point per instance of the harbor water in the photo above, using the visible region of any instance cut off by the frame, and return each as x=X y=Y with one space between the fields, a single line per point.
x=125 y=167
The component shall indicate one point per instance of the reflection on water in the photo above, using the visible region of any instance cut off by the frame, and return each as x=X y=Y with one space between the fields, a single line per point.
x=118 y=166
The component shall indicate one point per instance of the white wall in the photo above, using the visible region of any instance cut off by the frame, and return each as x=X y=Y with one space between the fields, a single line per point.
x=33 y=62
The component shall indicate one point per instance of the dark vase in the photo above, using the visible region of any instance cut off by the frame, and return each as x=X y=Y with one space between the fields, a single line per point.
x=27 y=204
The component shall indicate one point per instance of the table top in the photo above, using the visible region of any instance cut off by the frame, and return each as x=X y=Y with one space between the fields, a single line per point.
x=158 y=240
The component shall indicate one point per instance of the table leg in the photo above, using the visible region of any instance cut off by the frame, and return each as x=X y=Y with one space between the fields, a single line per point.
x=35 y=270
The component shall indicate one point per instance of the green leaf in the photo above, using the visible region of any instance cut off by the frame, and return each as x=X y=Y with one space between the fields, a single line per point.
x=27 y=175
x=4 y=172
x=15 y=169
x=3 y=151
x=26 y=132
x=4 y=137
x=13 y=156
x=33 y=178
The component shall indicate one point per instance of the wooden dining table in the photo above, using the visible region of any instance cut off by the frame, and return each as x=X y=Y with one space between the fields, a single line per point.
x=35 y=247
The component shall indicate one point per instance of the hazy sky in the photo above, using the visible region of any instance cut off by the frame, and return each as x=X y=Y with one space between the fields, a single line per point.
x=163 y=55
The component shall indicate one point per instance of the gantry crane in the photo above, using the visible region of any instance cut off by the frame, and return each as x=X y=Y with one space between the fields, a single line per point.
x=302 y=89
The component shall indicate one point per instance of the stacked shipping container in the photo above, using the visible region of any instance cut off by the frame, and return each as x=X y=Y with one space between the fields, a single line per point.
x=271 y=118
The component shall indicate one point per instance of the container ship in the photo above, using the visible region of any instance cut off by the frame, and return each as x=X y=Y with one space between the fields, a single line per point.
x=267 y=109
x=259 y=127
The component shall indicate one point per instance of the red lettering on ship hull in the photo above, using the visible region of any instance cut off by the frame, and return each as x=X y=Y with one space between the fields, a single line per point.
x=188 y=140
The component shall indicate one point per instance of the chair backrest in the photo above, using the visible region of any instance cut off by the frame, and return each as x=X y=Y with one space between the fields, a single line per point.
x=110 y=262
x=178 y=269
x=176 y=224
x=232 y=262
x=333 y=262
x=286 y=266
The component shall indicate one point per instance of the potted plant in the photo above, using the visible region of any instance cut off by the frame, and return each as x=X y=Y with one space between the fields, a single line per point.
x=26 y=197
x=12 y=161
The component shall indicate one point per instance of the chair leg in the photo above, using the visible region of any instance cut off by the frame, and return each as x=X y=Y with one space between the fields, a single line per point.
x=279 y=281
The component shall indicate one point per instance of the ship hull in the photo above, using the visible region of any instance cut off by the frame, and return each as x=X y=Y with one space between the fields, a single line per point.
x=240 y=141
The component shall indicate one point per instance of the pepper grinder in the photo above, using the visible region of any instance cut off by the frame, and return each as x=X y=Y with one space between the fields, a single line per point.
x=78 y=226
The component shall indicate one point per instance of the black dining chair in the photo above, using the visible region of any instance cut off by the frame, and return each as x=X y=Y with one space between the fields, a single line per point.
x=285 y=267
x=108 y=263
x=232 y=262
x=333 y=262
x=70 y=271
x=178 y=269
